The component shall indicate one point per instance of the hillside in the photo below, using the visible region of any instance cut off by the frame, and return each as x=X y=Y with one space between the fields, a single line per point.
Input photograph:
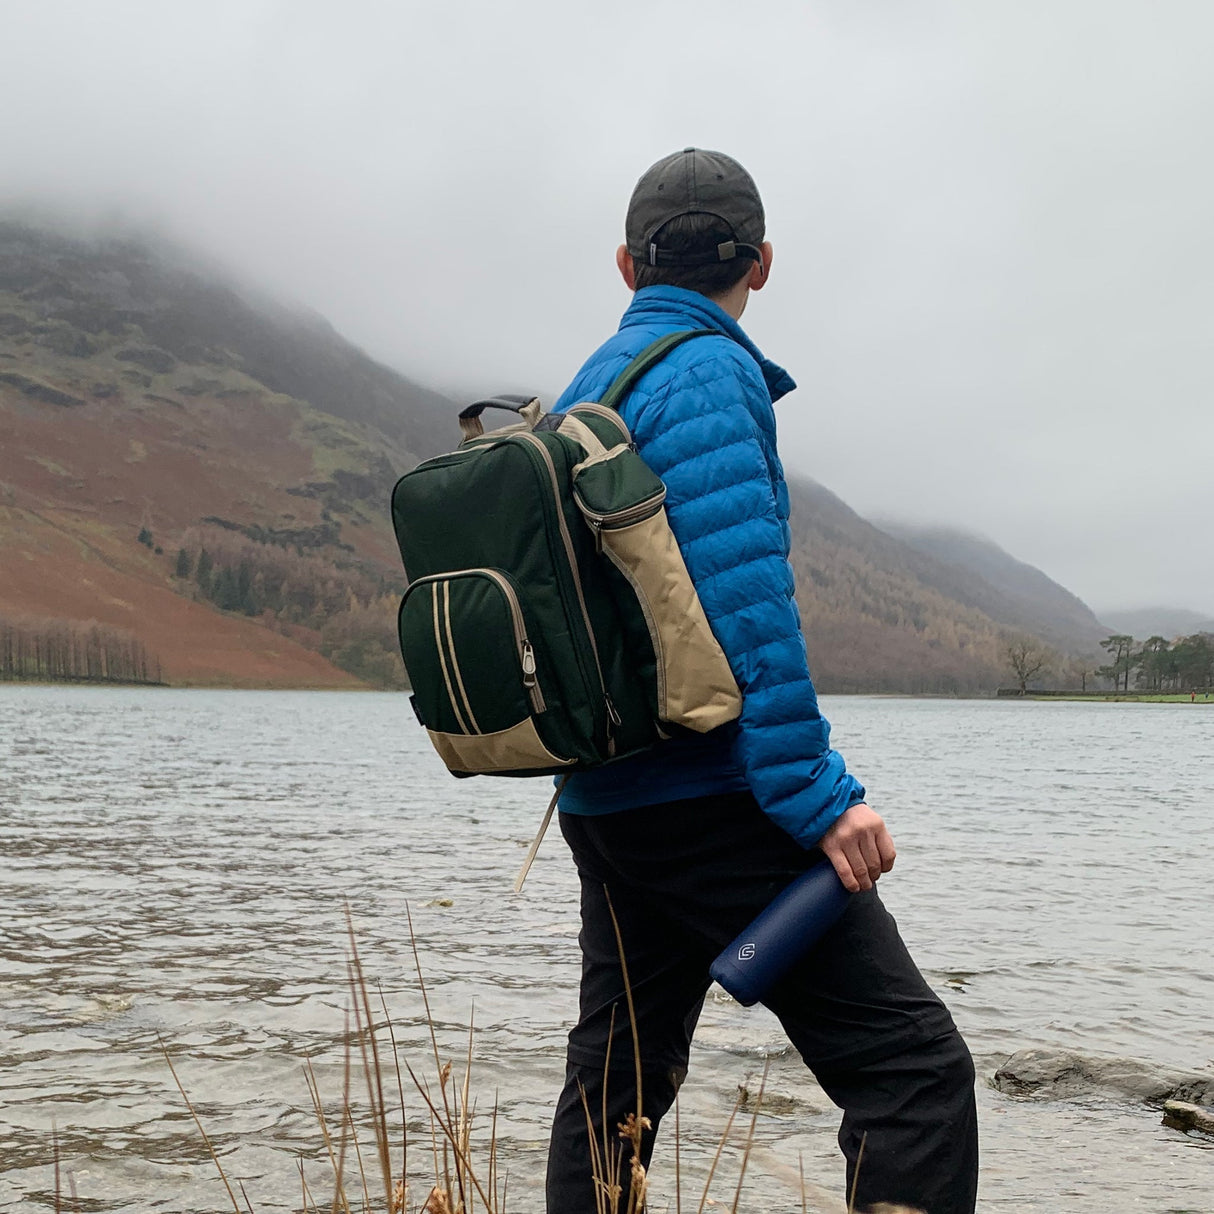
x=1167 y=622
x=980 y=574
x=146 y=412
x=883 y=614
x=206 y=475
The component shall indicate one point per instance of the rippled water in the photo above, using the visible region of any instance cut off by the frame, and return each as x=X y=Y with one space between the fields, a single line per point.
x=173 y=865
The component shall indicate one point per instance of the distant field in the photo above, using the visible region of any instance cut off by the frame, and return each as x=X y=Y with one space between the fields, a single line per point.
x=1145 y=697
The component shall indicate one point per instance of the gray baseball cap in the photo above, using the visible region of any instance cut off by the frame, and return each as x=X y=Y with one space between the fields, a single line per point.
x=694 y=181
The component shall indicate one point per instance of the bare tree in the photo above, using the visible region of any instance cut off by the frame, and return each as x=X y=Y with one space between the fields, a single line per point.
x=1027 y=658
x=72 y=651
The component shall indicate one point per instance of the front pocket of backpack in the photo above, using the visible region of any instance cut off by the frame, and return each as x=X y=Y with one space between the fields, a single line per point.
x=474 y=671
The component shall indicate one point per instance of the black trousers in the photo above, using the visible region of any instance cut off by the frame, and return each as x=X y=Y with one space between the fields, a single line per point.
x=684 y=878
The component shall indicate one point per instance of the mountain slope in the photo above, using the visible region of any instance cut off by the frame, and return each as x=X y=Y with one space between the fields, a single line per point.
x=74 y=296
x=1019 y=596
x=210 y=475
x=1167 y=622
x=882 y=616
x=142 y=416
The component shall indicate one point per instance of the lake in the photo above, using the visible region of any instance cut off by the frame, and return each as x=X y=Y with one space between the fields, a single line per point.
x=175 y=864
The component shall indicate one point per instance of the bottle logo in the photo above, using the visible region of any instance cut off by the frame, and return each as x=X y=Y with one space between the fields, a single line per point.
x=746 y=952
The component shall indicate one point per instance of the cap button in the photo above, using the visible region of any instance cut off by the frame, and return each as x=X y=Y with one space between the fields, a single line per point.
x=686 y=150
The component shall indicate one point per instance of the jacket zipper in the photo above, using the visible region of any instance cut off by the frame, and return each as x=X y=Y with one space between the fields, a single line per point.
x=613 y=716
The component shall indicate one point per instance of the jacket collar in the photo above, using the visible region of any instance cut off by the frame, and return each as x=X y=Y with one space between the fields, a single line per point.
x=689 y=309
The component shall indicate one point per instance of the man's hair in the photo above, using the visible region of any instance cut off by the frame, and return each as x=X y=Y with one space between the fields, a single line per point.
x=693 y=233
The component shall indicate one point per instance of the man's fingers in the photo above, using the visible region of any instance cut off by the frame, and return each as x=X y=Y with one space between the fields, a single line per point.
x=860 y=848
x=851 y=866
x=885 y=845
x=859 y=865
x=842 y=869
x=871 y=854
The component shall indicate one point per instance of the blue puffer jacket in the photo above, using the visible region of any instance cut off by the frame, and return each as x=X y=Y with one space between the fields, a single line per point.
x=703 y=421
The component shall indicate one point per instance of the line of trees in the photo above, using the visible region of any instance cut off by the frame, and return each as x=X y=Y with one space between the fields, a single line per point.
x=240 y=574
x=343 y=607
x=60 y=651
x=1157 y=664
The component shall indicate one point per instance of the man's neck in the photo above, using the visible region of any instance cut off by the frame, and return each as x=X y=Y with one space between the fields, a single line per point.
x=734 y=300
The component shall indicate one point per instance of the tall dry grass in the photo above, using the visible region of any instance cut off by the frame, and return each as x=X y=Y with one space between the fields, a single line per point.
x=366 y=1148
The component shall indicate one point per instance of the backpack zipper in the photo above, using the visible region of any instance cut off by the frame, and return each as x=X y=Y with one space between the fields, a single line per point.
x=526 y=654
x=523 y=647
x=613 y=716
x=618 y=519
x=655 y=633
x=469 y=447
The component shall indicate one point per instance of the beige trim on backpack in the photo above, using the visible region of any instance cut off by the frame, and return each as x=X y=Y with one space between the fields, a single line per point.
x=601 y=456
x=533 y=850
x=695 y=686
x=515 y=749
x=585 y=437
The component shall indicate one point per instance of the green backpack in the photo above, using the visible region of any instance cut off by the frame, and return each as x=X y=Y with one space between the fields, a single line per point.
x=550 y=624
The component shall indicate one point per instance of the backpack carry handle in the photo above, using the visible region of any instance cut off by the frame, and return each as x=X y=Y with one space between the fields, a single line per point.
x=527 y=407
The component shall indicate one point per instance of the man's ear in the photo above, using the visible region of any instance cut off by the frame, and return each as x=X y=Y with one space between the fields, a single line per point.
x=760 y=271
x=623 y=259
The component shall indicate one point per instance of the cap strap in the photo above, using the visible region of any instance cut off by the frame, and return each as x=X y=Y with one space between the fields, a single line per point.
x=726 y=251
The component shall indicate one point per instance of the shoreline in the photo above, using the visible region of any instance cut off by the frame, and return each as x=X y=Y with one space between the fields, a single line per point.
x=1038 y=697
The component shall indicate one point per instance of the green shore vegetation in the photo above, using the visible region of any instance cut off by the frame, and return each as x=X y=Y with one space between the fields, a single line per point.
x=1109 y=697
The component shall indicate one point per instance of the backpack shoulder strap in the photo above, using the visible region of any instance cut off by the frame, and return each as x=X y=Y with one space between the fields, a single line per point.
x=648 y=358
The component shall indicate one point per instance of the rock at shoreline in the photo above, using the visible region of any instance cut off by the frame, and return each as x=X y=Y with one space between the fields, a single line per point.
x=1181 y=1115
x=1064 y=1075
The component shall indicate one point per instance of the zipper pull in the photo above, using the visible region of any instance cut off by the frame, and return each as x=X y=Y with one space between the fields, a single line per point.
x=528 y=664
x=614 y=721
x=597 y=528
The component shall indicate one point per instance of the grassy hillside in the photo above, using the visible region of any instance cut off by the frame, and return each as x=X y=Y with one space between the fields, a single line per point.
x=142 y=414
x=208 y=478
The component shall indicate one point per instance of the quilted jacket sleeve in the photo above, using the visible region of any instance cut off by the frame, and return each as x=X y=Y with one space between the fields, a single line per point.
x=711 y=439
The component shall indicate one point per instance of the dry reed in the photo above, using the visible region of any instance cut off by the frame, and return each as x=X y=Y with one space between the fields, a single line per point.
x=465 y=1175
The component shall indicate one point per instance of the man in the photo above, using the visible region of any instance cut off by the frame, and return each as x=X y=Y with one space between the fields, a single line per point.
x=693 y=838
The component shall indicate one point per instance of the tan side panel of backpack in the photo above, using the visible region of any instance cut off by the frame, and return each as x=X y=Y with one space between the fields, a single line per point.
x=696 y=688
x=518 y=748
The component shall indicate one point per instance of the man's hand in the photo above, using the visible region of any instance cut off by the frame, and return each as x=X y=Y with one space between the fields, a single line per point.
x=859 y=847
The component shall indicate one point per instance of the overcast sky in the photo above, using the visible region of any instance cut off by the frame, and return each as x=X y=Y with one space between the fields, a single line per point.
x=994 y=276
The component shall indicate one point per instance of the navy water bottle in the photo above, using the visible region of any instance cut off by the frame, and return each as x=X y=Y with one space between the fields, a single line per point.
x=781 y=934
